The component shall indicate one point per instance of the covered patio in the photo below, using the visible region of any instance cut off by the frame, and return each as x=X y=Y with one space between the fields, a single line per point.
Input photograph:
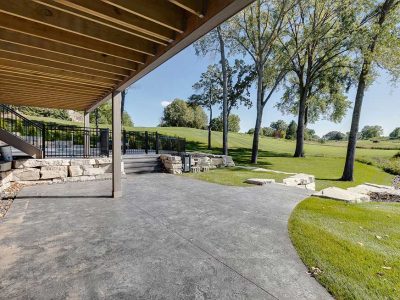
x=179 y=239
x=73 y=54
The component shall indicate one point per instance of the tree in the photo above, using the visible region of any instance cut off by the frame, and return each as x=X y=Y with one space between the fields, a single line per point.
x=370 y=132
x=334 y=136
x=317 y=43
x=254 y=31
x=214 y=42
x=395 y=134
x=209 y=90
x=279 y=128
x=233 y=122
x=291 y=131
x=103 y=115
x=378 y=44
x=180 y=114
x=268 y=131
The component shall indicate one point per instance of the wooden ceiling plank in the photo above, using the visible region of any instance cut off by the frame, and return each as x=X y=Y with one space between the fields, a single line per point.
x=55 y=72
x=42 y=97
x=36 y=29
x=22 y=84
x=39 y=75
x=160 y=12
x=59 y=58
x=57 y=65
x=45 y=104
x=109 y=63
x=113 y=17
x=195 y=7
x=54 y=18
x=26 y=78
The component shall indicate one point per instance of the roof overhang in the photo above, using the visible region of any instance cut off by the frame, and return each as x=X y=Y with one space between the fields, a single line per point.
x=74 y=54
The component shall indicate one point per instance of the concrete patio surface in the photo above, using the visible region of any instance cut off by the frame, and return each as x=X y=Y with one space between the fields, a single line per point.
x=169 y=237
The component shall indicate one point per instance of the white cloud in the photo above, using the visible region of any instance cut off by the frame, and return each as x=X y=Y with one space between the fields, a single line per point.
x=165 y=103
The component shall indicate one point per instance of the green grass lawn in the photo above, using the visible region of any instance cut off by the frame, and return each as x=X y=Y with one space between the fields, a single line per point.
x=357 y=247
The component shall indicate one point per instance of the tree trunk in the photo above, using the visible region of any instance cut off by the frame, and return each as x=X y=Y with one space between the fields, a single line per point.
x=299 y=152
x=348 y=172
x=355 y=121
x=209 y=129
x=224 y=94
x=260 y=108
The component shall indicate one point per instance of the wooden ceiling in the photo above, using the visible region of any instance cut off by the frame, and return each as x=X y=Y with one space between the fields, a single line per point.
x=74 y=53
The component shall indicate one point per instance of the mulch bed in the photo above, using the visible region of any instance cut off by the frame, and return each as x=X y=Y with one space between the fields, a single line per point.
x=384 y=197
x=8 y=197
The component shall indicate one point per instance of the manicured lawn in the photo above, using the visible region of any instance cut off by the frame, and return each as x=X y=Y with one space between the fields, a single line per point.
x=357 y=247
x=234 y=176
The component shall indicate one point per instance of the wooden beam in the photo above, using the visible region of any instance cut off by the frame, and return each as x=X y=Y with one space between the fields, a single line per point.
x=27 y=78
x=35 y=69
x=57 y=58
x=53 y=34
x=46 y=87
x=47 y=77
x=113 y=17
x=51 y=91
x=54 y=18
x=217 y=12
x=195 y=7
x=29 y=93
x=45 y=104
x=160 y=12
x=57 y=65
x=111 y=63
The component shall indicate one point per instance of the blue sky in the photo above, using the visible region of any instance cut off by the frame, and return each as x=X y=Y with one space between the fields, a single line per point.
x=174 y=79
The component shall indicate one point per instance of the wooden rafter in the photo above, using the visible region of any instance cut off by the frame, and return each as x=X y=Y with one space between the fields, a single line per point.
x=193 y=6
x=74 y=54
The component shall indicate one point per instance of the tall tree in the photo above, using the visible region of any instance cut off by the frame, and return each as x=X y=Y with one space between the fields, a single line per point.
x=209 y=89
x=211 y=43
x=317 y=43
x=379 y=45
x=254 y=31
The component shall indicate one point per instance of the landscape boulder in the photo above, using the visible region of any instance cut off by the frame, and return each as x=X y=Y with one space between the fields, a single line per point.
x=51 y=172
x=26 y=174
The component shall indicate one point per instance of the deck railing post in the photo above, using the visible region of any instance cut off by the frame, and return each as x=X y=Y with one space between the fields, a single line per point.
x=124 y=141
x=146 y=142
x=157 y=143
x=44 y=140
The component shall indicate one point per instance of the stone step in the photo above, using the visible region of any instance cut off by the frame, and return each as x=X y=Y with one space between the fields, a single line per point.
x=137 y=164
x=143 y=170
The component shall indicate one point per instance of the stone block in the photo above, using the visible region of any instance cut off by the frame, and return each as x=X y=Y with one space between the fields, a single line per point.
x=107 y=168
x=51 y=172
x=35 y=163
x=83 y=162
x=342 y=195
x=5 y=166
x=103 y=160
x=26 y=174
x=260 y=181
x=229 y=161
x=217 y=162
x=174 y=158
x=35 y=182
x=74 y=171
x=175 y=171
x=89 y=170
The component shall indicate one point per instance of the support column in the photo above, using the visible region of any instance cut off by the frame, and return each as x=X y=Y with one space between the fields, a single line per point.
x=116 y=145
x=86 y=139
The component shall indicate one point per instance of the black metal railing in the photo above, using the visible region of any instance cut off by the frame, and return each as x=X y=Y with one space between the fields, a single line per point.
x=68 y=141
x=15 y=123
x=73 y=141
x=145 y=142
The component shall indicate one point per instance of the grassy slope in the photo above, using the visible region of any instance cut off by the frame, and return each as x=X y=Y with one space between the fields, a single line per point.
x=341 y=240
x=325 y=161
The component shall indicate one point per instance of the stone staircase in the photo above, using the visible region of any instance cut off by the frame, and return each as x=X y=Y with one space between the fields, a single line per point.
x=142 y=164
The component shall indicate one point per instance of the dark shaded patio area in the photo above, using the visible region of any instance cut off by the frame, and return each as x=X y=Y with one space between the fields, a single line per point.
x=168 y=237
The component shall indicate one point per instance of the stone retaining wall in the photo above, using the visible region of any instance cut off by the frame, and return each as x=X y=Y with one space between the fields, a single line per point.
x=173 y=164
x=46 y=171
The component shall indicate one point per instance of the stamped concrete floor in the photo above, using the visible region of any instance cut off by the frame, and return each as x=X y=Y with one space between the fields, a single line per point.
x=169 y=237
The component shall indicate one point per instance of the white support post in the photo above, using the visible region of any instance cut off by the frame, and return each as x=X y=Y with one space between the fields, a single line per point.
x=116 y=145
x=86 y=139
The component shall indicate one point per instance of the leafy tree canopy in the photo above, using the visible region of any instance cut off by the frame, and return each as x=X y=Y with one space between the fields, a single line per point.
x=370 y=132
x=233 y=123
x=180 y=114
x=334 y=136
x=395 y=133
